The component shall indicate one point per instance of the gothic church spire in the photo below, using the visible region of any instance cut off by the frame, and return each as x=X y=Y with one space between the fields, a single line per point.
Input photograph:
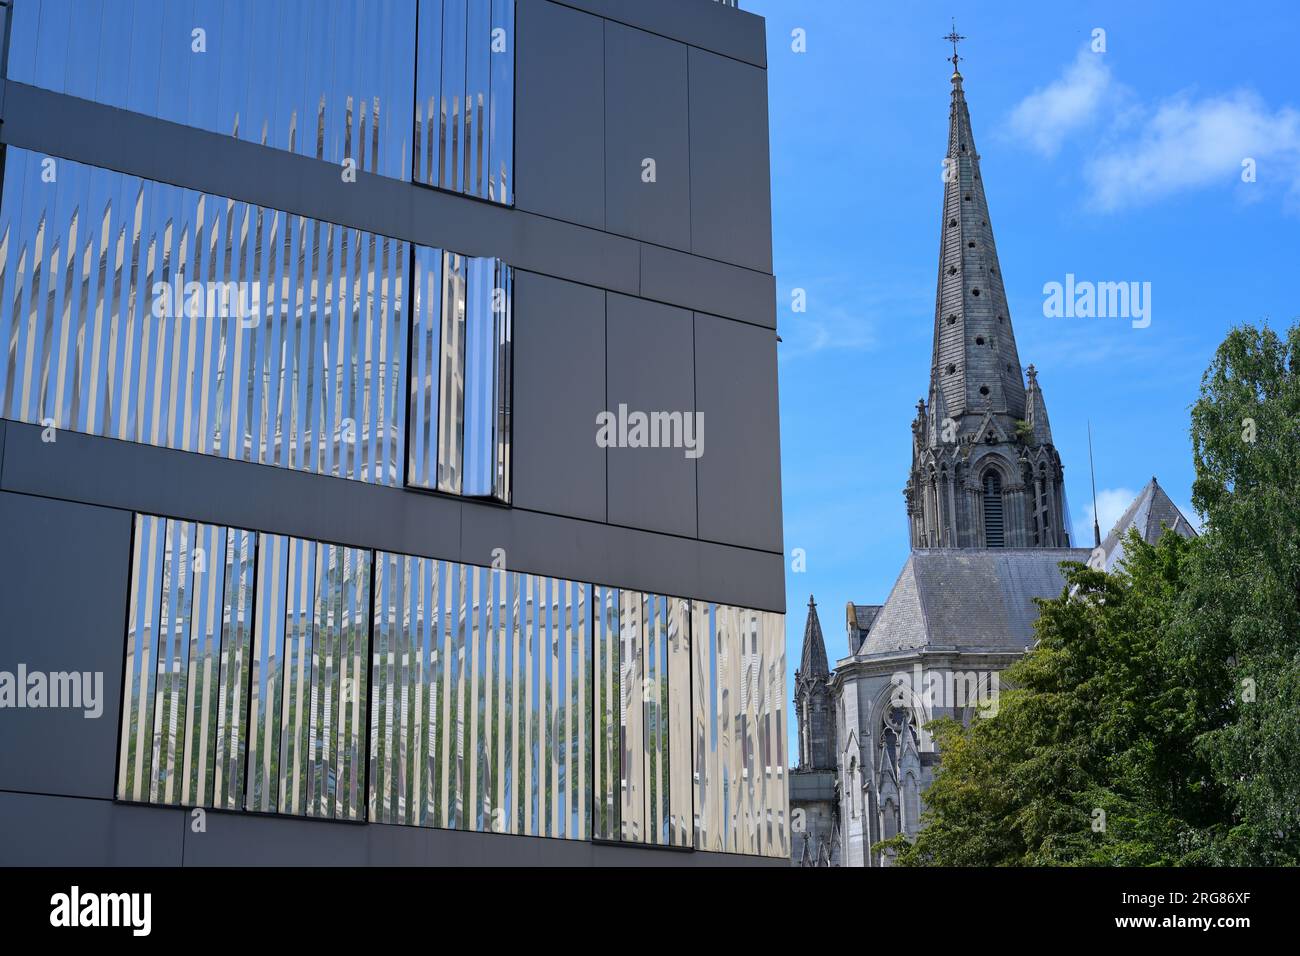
x=985 y=473
x=976 y=365
x=812 y=698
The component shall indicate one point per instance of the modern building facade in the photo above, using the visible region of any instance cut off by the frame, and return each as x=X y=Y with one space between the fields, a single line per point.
x=389 y=452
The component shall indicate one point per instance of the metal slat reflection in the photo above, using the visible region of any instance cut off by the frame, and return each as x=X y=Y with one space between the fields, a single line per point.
x=201 y=339
x=489 y=692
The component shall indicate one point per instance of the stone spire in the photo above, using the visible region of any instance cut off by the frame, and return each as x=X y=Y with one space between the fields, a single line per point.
x=976 y=365
x=812 y=698
x=984 y=470
x=1036 y=415
x=813 y=663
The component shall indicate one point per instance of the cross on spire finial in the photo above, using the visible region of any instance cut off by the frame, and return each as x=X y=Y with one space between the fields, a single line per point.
x=954 y=38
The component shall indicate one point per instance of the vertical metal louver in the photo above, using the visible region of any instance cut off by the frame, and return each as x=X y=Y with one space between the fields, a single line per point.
x=993 y=532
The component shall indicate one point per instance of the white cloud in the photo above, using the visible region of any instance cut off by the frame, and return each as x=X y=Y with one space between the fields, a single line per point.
x=834 y=328
x=1185 y=144
x=1111 y=503
x=842 y=314
x=1045 y=117
x=1140 y=152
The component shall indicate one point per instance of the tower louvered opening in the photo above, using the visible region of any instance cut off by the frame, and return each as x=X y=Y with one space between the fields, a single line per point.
x=993 y=536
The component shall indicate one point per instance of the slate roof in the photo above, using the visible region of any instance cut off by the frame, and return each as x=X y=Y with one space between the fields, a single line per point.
x=971 y=600
x=861 y=617
x=865 y=614
x=1151 y=511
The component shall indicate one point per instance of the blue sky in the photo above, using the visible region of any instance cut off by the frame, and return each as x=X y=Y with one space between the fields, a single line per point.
x=1115 y=166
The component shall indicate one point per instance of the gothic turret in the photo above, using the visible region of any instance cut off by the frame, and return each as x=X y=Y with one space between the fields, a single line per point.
x=984 y=471
x=812 y=698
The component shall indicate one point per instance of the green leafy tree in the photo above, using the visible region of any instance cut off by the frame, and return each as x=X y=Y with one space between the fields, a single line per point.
x=1242 y=620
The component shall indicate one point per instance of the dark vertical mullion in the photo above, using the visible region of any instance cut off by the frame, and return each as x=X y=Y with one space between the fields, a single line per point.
x=124 y=709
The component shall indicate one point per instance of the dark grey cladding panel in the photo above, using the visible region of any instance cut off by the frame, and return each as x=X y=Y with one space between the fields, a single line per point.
x=42 y=830
x=646 y=118
x=63 y=591
x=731 y=214
x=203 y=488
x=559 y=389
x=740 y=470
x=601 y=554
x=206 y=488
x=651 y=368
x=560 y=113
x=238 y=840
x=742 y=576
x=64 y=126
x=726 y=30
x=714 y=287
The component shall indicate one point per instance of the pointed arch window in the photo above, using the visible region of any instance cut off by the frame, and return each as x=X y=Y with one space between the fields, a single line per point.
x=894 y=724
x=993 y=529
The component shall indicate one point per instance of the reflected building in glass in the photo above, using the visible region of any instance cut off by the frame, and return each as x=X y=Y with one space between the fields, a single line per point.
x=310 y=313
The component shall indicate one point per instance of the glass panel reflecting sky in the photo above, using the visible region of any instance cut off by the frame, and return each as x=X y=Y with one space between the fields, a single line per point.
x=464 y=97
x=330 y=79
x=156 y=314
x=335 y=80
x=461 y=361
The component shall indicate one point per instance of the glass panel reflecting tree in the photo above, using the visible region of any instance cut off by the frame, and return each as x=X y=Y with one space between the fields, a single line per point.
x=481 y=683
x=186 y=681
x=642 y=766
x=497 y=701
x=741 y=790
x=310 y=679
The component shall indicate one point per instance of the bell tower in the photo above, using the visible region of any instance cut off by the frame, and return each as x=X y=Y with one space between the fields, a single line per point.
x=985 y=473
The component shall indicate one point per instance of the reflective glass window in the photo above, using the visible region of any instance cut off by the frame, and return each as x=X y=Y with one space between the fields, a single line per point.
x=329 y=79
x=438 y=694
x=460 y=375
x=151 y=313
x=186 y=678
x=464 y=97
